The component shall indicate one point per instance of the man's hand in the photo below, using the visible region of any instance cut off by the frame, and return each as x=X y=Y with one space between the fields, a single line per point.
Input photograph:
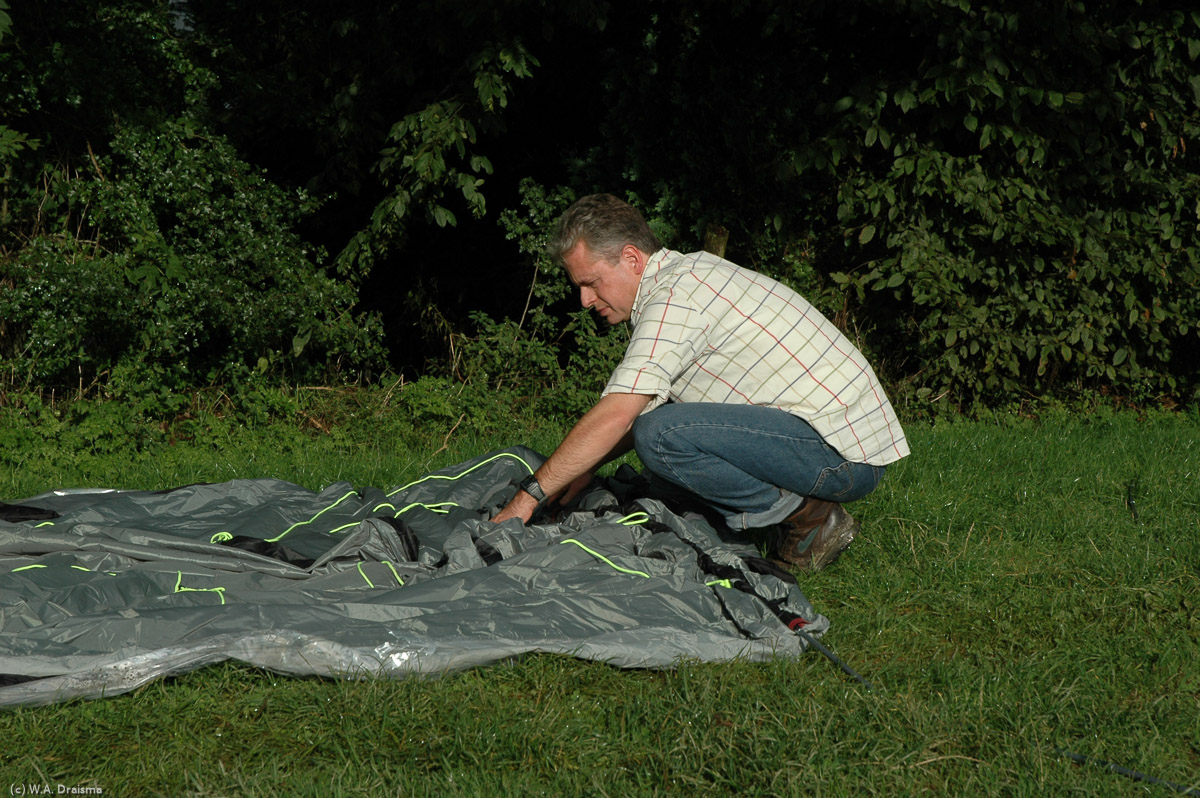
x=601 y=435
x=521 y=506
x=581 y=482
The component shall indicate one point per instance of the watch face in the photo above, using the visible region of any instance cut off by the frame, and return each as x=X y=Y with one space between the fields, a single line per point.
x=531 y=486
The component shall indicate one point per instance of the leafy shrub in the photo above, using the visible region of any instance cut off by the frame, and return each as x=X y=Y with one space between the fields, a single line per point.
x=1003 y=195
x=1025 y=196
x=174 y=266
x=553 y=359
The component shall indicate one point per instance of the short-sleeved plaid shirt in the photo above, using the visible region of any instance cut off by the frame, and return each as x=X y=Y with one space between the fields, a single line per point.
x=706 y=330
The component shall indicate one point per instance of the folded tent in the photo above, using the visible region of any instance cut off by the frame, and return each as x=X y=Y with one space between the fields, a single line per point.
x=104 y=590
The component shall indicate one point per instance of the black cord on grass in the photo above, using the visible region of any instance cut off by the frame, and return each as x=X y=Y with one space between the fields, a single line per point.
x=742 y=583
x=1131 y=492
x=834 y=658
x=1133 y=774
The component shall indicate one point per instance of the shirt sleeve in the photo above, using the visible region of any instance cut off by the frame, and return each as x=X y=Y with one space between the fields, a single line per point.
x=666 y=340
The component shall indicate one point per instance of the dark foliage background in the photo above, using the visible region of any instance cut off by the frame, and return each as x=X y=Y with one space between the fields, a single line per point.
x=996 y=200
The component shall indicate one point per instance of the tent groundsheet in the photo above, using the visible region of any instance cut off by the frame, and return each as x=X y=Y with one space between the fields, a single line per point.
x=104 y=590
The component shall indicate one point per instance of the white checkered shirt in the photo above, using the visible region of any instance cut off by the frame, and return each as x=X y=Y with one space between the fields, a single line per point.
x=706 y=330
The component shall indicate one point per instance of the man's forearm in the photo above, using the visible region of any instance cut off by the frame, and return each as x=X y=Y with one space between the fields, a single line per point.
x=604 y=432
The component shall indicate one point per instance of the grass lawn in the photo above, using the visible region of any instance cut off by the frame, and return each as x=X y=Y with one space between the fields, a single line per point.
x=1004 y=599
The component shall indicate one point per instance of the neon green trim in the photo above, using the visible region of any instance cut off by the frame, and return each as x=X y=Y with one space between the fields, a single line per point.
x=393 y=570
x=220 y=536
x=601 y=557
x=379 y=507
x=463 y=474
x=633 y=519
x=720 y=583
x=433 y=508
x=314 y=518
x=179 y=588
x=44 y=523
x=343 y=526
x=29 y=567
x=363 y=574
x=81 y=568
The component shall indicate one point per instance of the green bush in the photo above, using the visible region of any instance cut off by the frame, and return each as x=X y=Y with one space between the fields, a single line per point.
x=554 y=360
x=998 y=202
x=175 y=265
x=1003 y=195
x=1026 y=196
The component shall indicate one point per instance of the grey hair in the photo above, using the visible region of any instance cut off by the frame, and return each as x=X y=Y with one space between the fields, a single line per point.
x=604 y=224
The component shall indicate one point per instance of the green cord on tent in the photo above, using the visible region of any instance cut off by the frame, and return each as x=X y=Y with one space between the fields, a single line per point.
x=179 y=588
x=39 y=565
x=433 y=508
x=604 y=559
x=221 y=536
x=280 y=536
x=464 y=473
x=391 y=568
x=633 y=519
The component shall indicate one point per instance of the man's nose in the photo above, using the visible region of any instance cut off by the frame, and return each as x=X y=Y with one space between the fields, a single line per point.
x=587 y=297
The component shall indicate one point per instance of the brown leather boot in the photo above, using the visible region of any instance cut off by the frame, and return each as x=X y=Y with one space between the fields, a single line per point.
x=815 y=535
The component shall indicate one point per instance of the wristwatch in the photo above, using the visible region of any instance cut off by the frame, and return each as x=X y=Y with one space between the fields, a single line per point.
x=534 y=488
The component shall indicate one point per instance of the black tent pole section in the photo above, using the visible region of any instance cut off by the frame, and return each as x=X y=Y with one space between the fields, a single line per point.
x=1133 y=774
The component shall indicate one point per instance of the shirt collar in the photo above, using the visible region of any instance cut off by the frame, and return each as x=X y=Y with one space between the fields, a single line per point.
x=654 y=264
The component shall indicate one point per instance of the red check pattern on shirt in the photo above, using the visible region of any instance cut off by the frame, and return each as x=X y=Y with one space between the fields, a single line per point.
x=707 y=330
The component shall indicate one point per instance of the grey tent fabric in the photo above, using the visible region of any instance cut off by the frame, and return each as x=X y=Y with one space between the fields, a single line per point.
x=104 y=590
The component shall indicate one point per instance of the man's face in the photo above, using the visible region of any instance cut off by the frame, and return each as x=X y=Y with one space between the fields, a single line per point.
x=607 y=288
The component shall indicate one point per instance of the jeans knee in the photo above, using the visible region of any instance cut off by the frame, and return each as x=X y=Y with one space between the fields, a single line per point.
x=644 y=432
x=847 y=482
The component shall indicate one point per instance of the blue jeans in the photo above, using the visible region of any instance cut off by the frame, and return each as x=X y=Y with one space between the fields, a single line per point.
x=754 y=464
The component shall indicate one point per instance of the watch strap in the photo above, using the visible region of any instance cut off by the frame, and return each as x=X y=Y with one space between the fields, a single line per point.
x=534 y=488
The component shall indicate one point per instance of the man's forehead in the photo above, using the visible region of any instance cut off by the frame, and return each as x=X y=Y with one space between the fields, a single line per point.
x=581 y=252
x=581 y=264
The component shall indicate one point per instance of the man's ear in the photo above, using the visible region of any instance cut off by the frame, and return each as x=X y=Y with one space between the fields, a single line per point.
x=634 y=258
